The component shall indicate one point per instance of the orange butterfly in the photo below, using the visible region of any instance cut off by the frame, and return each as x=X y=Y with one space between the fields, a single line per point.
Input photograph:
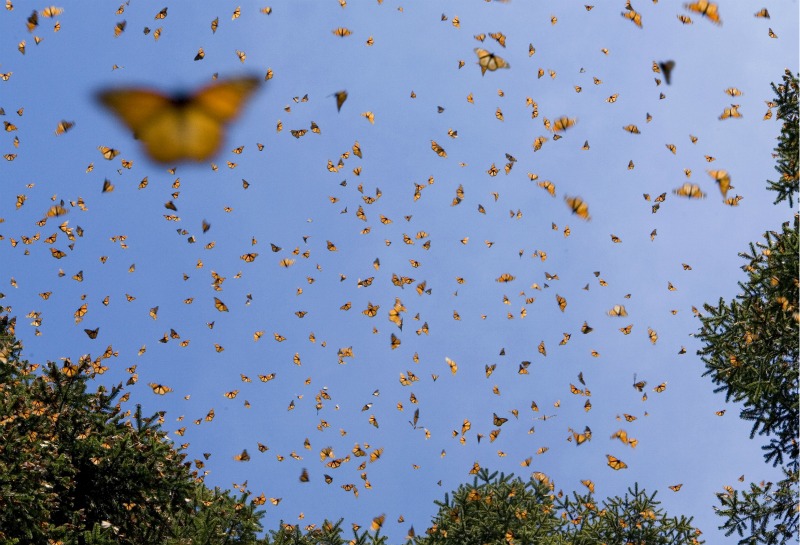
x=180 y=127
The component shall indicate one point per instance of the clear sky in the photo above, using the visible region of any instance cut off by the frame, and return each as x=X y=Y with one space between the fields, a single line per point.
x=411 y=81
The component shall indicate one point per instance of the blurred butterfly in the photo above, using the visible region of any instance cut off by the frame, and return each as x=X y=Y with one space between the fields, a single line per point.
x=92 y=333
x=705 y=8
x=563 y=123
x=179 y=127
x=56 y=210
x=666 y=68
x=634 y=16
x=691 y=191
x=733 y=111
x=723 y=179
x=489 y=61
x=578 y=206
x=377 y=522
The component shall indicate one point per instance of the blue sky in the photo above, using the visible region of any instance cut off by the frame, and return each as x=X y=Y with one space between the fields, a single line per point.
x=288 y=203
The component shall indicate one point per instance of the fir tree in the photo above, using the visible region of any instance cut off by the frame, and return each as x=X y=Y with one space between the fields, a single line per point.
x=77 y=469
x=751 y=353
x=787 y=150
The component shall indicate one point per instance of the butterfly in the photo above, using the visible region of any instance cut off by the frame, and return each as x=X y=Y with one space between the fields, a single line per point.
x=341 y=96
x=56 y=210
x=634 y=16
x=615 y=463
x=578 y=206
x=618 y=310
x=691 y=191
x=489 y=61
x=548 y=186
x=498 y=420
x=666 y=68
x=733 y=111
x=706 y=8
x=160 y=389
x=723 y=179
x=377 y=522
x=179 y=127
x=563 y=123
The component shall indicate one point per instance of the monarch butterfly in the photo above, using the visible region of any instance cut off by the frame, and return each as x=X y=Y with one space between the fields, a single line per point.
x=179 y=127
x=562 y=302
x=581 y=438
x=666 y=68
x=563 y=123
x=634 y=16
x=618 y=310
x=377 y=522
x=453 y=366
x=548 y=186
x=691 y=191
x=676 y=487
x=660 y=388
x=633 y=129
x=498 y=420
x=505 y=277
x=499 y=37
x=706 y=8
x=92 y=333
x=723 y=179
x=733 y=111
x=438 y=149
x=762 y=13
x=489 y=61
x=243 y=457
x=342 y=32
x=56 y=210
x=108 y=153
x=615 y=463
x=160 y=389
x=220 y=306
x=578 y=206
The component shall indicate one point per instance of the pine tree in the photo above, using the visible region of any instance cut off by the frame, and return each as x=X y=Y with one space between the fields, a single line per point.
x=787 y=150
x=77 y=469
x=503 y=509
x=751 y=353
